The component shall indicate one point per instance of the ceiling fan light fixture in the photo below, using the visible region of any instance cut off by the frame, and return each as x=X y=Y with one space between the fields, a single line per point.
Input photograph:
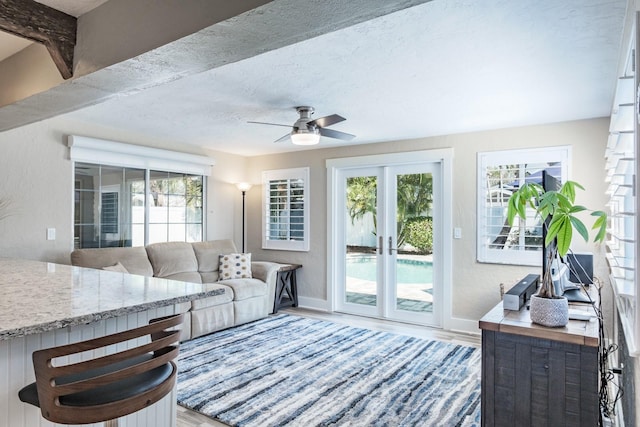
x=308 y=137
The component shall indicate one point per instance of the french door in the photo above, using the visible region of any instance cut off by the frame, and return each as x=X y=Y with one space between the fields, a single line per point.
x=387 y=239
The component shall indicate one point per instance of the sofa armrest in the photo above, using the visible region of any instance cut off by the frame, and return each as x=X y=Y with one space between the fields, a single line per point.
x=268 y=273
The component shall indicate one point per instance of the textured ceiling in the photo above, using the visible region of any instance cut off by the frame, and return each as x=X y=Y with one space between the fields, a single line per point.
x=443 y=67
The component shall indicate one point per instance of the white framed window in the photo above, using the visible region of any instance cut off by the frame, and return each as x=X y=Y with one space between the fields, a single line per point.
x=285 y=209
x=499 y=174
x=128 y=195
x=623 y=181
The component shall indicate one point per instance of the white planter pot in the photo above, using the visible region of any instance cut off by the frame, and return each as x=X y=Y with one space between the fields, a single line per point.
x=552 y=312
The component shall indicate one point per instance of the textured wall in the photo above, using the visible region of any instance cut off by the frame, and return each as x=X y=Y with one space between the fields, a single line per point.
x=475 y=285
x=36 y=174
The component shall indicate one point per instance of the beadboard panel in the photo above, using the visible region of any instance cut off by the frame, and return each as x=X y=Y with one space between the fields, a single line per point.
x=16 y=371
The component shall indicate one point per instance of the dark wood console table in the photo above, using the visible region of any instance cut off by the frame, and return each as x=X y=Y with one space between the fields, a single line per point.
x=286 y=287
x=538 y=376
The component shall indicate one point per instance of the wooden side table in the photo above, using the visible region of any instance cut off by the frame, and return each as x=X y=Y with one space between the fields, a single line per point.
x=286 y=287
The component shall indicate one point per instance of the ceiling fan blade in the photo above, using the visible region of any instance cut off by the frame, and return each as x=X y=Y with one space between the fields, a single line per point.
x=272 y=124
x=330 y=133
x=323 y=122
x=282 y=138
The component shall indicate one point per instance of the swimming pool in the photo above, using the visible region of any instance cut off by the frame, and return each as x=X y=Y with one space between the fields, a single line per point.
x=408 y=270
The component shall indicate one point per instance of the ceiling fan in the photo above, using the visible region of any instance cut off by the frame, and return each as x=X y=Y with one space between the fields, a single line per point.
x=306 y=131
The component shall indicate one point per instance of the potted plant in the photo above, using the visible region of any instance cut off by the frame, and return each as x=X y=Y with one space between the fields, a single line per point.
x=556 y=210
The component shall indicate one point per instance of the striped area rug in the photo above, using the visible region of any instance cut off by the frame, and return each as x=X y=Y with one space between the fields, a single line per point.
x=292 y=371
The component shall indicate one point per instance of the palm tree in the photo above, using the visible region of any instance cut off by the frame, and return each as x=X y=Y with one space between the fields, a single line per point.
x=362 y=198
x=414 y=192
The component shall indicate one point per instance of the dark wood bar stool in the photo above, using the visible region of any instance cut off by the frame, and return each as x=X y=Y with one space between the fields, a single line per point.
x=106 y=388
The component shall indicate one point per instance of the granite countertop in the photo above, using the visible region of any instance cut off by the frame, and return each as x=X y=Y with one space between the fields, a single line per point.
x=37 y=296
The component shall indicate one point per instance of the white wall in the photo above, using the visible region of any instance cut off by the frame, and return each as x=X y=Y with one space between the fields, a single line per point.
x=475 y=285
x=27 y=72
x=36 y=176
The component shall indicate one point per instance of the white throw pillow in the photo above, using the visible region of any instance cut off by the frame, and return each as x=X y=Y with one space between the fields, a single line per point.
x=235 y=266
x=118 y=267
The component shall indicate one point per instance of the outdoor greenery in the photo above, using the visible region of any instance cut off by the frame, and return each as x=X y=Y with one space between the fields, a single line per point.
x=362 y=198
x=167 y=189
x=419 y=231
x=560 y=209
x=414 y=204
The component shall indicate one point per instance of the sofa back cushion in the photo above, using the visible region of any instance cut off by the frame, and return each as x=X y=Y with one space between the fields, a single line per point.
x=208 y=255
x=172 y=258
x=187 y=276
x=133 y=259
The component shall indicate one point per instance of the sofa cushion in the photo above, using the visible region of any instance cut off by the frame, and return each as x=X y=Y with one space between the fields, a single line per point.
x=210 y=277
x=117 y=267
x=187 y=276
x=172 y=258
x=226 y=297
x=212 y=319
x=208 y=253
x=235 y=266
x=134 y=259
x=246 y=288
x=249 y=310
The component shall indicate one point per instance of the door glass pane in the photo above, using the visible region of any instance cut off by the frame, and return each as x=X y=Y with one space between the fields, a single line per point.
x=361 y=237
x=414 y=231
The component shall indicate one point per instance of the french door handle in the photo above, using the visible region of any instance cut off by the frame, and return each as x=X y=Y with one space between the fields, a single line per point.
x=391 y=248
x=380 y=245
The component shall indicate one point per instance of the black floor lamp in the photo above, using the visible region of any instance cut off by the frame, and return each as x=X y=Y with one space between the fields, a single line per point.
x=244 y=187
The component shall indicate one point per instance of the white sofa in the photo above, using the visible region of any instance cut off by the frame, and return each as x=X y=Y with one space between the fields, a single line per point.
x=243 y=300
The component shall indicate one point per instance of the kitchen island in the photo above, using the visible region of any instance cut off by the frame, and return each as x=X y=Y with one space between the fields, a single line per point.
x=45 y=305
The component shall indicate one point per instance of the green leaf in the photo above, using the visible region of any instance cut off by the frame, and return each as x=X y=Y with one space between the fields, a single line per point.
x=548 y=203
x=580 y=228
x=568 y=190
x=522 y=207
x=564 y=202
x=511 y=209
x=559 y=206
x=552 y=231
x=601 y=224
x=575 y=184
x=577 y=208
x=564 y=236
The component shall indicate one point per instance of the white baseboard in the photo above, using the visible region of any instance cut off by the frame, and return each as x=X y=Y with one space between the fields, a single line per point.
x=467 y=326
x=456 y=324
x=313 y=303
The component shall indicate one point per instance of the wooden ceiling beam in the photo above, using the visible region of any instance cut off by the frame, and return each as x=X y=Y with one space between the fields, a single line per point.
x=42 y=24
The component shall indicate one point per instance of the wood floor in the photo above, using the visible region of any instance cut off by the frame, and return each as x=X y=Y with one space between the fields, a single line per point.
x=187 y=418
